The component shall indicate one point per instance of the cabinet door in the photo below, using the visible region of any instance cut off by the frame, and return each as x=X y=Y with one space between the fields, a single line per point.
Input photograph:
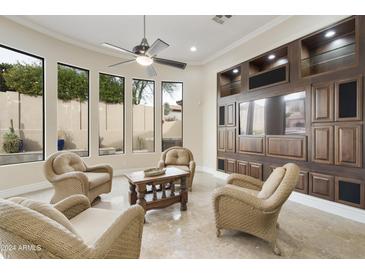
x=348 y=100
x=348 y=145
x=230 y=165
x=221 y=164
x=322 y=102
x=255 y=170
x=221 y=139
x=231 y=114
x=222 y=116
x=322 y=186
x=322 y=144
x=242 y=167
x=230 y=140
x=302 y=185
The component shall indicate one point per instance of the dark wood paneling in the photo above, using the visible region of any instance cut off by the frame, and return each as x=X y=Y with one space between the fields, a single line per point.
x=221 y=164
x=230 y=165
x=355 y=190
x=355 y=106
x=251 y=144
x=322 y=102
x=231 y=114
x=230 y=140
x=255 y=170
x=286 y=146
x=302 y=185
x=322 y=144
x=348 y=145
x=322 y=186
x=221 y=140
x=242 y=167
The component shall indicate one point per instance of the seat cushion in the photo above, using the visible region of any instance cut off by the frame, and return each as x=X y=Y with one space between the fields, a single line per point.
x=272 y=183
x=97 y=178
x=177 y=157
x=68 y=162
x=185 y=168
x=252 y=192
x=93 y=222
x=46 y=210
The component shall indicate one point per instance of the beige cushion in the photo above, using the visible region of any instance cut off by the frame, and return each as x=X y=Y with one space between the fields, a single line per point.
x=46 y=210
x=177 y=157
x=68 y=162
x=250 y=191
x=93 y=222
x=97 y=178
x=185 y=168
x=272 y=183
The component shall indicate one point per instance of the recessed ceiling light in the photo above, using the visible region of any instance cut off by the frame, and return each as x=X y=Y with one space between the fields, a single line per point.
x=329 y=33
x=235 y=71
x=193 y=48
x=271 y=56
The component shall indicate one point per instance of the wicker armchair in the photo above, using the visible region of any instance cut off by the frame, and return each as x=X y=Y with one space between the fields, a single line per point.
x=249 y=205
x=179 y=157
x=69 y=229
x=70 y=175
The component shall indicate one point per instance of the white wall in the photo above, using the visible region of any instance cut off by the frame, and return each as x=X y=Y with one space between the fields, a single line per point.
x=53 y=50
x=291 y=29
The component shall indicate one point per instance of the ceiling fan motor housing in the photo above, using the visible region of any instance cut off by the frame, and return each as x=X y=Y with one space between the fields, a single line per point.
x=142 y=48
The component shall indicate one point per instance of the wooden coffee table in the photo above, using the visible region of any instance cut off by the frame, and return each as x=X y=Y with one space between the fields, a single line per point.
x=138 y=189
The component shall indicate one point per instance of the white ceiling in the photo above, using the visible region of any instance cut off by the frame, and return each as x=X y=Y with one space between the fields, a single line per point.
x=181 y=32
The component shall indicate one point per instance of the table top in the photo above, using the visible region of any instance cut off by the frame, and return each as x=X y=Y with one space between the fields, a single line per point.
x=171 y=173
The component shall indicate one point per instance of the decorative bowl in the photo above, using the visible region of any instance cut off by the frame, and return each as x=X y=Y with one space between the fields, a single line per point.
x=155 y=171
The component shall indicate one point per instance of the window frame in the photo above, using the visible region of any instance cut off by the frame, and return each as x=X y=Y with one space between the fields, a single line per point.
x=182 y=112
x=43 y=103
x=124 y=108
x=88 y=103
x=154 y=115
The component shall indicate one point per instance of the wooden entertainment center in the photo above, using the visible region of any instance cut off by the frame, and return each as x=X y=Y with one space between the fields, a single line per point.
x=303 y=103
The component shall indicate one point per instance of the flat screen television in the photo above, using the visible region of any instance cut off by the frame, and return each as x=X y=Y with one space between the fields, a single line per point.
x=279 y=115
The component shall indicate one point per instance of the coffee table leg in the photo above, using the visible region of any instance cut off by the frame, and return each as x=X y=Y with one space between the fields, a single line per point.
x=141 y=191
x=183 y=194
x=132 y=194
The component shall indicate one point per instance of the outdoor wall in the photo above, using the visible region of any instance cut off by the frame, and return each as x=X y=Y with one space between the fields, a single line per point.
x=258 y=43
x=53 y=50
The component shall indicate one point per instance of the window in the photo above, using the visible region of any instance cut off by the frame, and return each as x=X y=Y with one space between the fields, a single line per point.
x=111 y=114
x=73 y=109
x=143 y=92
x=172 y=114
x=21 y=107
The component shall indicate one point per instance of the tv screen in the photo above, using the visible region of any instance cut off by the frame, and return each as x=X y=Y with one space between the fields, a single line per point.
x=277 y=115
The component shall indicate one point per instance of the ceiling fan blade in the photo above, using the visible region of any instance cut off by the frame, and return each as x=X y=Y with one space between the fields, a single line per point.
x=170 y=63
x=110 y=46
x=151 y=72
x=157 y=47
x=121 y=63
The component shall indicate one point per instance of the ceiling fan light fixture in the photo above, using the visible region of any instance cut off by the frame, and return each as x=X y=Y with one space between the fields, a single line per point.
x=144 y=60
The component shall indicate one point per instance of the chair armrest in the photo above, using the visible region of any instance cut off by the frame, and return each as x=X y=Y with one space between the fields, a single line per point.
x=244 y=181
x=192 y=166
x=100 y=168
x=238 y=195
x=73 y=205
x=123 y=238
x=161 y=164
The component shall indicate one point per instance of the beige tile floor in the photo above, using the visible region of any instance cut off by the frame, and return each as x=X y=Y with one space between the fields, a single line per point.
x=168 y=233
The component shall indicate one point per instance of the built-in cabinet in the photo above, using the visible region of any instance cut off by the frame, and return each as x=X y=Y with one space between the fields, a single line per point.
x=310 y=94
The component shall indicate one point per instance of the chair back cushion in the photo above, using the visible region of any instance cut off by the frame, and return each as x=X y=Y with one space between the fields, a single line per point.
x=68 y=162
x=46 y=210
x=272 y=183
x=178 y=156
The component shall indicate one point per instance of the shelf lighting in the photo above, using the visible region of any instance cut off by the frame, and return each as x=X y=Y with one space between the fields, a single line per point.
x=193 y=48
x=271 y=56
x=329 y=33
x=235 y=71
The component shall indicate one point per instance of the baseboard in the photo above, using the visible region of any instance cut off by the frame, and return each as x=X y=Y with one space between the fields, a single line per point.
x=19 y=190
x=348 y=212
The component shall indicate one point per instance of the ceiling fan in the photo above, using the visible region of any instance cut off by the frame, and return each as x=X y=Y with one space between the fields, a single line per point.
x=145 y=55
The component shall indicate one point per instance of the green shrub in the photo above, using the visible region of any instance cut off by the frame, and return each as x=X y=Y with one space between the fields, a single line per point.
x=11 y=141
